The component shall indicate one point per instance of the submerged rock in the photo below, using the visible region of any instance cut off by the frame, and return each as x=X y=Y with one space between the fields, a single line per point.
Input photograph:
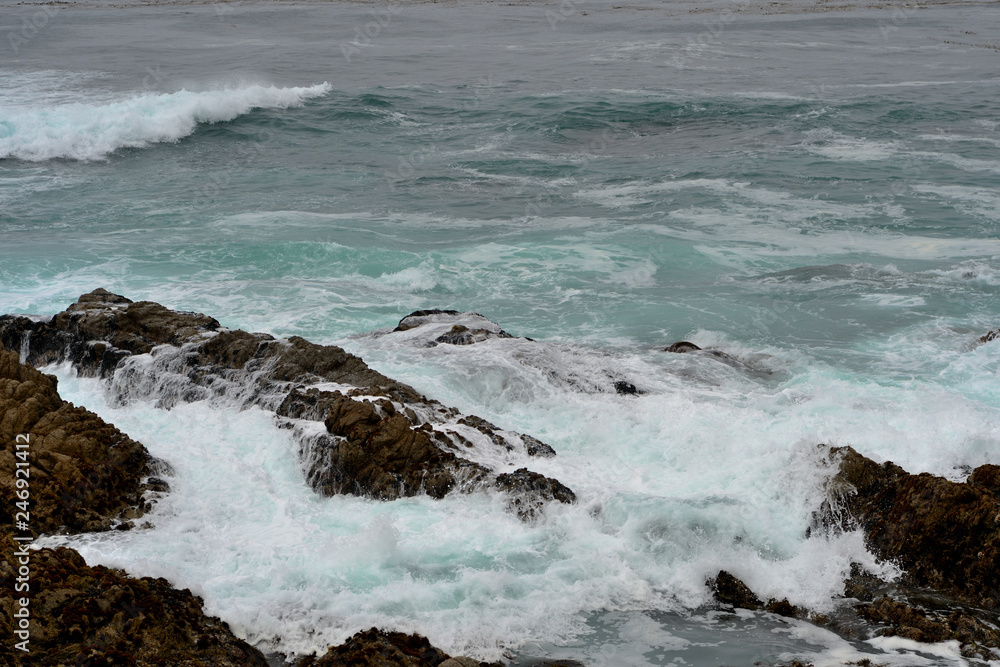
x=752 y=369
x=626 y=388
x=681 y=347
x=82 y=615
x=530 y=491
x=451 y=327
x=944 y=534
x=381 y=438
x=85 y=474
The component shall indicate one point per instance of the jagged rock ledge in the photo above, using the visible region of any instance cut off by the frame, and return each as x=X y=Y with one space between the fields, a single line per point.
x=359 y=431
x=85 y=474
x=945 y=536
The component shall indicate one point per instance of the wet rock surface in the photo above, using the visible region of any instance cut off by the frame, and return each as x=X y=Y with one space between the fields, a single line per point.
x=944 y=534
x=377 y=648
x=85 y=475
x=382 y=438
x=922 y=616
x=990 y=335
x=82 y=615
x=451 y=327
x=900 y=619
x=754 y=368
x=729 y=590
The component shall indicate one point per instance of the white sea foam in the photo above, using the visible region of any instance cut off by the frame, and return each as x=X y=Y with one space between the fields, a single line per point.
x=673 y=485
x=92 y=131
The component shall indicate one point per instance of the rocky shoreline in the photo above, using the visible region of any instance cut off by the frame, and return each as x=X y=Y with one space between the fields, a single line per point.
x=362 y=433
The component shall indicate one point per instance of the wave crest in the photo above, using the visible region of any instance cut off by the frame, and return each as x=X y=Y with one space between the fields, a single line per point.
x=92 y=131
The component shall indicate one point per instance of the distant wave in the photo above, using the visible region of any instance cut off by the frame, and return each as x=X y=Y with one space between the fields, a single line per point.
x=93 y=131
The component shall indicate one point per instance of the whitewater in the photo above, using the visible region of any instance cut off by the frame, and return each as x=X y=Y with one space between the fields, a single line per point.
x=813 y=193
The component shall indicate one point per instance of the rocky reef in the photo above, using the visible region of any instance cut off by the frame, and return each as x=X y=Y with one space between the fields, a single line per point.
x=379 y=438
x=85 y=474
x=945 y=536
x=82 y=615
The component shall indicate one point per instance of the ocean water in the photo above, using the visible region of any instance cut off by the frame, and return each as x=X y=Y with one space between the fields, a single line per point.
x=815 y=193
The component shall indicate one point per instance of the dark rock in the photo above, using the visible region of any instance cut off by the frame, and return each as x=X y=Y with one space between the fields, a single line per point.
x=382 y=456
x=414 y=319
x=378 y=648
x=530 y=491
x=464 y=329
x=987 y=478
x=990 y=335
x=727 y=589
x=946 y=535
x=463 y=335
x=903 y=620
x=83 y=615
x=681 y=346
x=398 y=454
x=784 y=608
x=862 y=584
x=85 y=474
x=626 y=388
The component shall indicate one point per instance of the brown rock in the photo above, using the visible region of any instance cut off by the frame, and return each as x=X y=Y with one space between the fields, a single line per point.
x=382 y=456
x=903 y=620
x=379 y=453
x=83 y=615
x=83 y=474
x=727 y=589
x=987 y=478
x=530 y=492
x=377 y=648
x=946 y=535
x=990 y=335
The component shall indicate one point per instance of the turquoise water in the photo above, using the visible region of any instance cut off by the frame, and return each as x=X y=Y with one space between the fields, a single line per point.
x=814 y=194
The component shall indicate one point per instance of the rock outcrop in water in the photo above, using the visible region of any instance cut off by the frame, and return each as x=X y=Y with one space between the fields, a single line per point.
x=377 y=648
x=82 y=615
x=990 y=335
x=451 y=327
x=85 y=475
x=380 y=438
x=729 y=590
x=944 y=534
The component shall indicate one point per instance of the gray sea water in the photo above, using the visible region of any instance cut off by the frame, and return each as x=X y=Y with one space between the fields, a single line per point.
x=814 y=191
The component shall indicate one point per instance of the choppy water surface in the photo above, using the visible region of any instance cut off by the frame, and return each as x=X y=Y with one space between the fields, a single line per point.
x=815 y=194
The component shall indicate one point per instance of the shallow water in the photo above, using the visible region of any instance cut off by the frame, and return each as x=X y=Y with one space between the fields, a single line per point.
x=814 y=194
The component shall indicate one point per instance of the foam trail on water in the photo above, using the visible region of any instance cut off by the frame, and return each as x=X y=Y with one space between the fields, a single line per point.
x=82 y=131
